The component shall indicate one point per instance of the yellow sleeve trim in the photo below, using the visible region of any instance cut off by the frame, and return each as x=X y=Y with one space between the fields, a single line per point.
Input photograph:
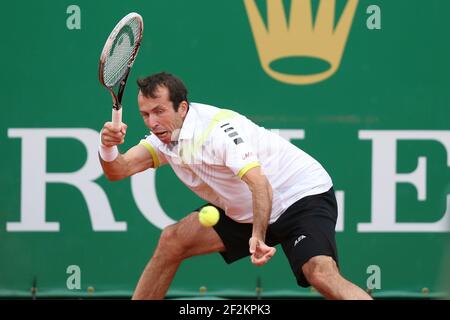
x=152 y=151
x=249 y=166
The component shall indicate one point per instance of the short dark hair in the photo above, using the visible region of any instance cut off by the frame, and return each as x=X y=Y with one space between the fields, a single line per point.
x=176 y=87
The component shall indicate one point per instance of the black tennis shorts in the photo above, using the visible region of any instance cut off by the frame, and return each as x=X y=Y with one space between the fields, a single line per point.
x=305 y=230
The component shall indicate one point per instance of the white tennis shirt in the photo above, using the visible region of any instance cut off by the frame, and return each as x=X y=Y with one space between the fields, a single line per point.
x=216 y=147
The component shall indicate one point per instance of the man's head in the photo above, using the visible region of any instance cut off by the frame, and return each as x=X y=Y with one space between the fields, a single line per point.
x=163 y=105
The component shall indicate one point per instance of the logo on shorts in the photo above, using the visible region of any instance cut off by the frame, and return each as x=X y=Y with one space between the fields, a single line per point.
x=299 y=239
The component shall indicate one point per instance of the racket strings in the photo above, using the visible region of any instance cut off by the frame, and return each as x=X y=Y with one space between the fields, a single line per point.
x=121 y=52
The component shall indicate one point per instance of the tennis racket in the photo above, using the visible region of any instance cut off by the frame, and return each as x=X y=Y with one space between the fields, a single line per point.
x=117 y=58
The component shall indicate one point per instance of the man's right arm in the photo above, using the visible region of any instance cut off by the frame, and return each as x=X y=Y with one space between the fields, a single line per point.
x=135 y=160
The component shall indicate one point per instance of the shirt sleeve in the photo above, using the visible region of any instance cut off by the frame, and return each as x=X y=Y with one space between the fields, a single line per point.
x=234 y=148
x=152 y=143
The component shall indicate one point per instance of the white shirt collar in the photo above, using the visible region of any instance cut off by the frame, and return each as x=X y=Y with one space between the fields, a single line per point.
x=189 y=124
x=186 y=132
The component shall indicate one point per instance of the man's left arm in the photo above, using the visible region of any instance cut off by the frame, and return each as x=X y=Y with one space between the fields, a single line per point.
x=262 y=207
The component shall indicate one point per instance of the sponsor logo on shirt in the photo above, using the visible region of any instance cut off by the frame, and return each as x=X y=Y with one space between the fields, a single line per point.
x=247 y=155
x=232 y=133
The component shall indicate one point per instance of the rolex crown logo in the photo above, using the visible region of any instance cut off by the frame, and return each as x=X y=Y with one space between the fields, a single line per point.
x=301 y=37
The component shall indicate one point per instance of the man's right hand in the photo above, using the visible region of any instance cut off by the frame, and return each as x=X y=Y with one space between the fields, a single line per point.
x=112 y=136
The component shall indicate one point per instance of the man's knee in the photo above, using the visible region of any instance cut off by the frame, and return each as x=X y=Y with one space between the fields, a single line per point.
x=320 y=270
x=187 y=238
x=171 y=243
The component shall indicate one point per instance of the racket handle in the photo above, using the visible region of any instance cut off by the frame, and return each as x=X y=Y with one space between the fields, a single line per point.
x=117 y=118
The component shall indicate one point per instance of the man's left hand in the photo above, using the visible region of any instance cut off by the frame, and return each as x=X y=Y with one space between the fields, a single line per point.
x=260 y=252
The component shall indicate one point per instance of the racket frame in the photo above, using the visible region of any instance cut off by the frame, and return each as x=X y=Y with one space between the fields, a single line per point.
x=120 y=86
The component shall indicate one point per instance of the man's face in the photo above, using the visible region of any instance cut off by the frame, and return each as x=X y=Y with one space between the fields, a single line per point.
x=160 y=116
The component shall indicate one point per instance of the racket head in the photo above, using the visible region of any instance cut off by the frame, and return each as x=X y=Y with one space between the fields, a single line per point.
x=120 y=51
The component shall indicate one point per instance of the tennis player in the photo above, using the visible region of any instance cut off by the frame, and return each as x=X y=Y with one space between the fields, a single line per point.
x=267 y=190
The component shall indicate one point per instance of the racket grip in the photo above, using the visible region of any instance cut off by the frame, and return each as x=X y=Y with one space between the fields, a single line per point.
x=117 y=118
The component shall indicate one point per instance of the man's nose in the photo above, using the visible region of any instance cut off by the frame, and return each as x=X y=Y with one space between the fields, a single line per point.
x=152 y=123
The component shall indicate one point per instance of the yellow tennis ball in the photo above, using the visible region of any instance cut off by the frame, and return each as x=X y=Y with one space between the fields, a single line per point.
x=208 y=216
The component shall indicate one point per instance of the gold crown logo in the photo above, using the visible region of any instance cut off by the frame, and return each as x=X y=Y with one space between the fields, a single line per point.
x=301 y=38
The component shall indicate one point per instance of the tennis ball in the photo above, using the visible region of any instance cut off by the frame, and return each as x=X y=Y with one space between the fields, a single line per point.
x=208 y=216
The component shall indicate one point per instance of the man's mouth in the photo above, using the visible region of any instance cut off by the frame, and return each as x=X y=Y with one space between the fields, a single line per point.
x=161 y=134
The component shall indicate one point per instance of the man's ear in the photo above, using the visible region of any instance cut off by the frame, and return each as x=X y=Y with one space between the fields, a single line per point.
x=183 y=108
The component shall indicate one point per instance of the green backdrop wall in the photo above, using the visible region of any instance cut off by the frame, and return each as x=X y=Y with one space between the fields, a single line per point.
x=380 y=125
